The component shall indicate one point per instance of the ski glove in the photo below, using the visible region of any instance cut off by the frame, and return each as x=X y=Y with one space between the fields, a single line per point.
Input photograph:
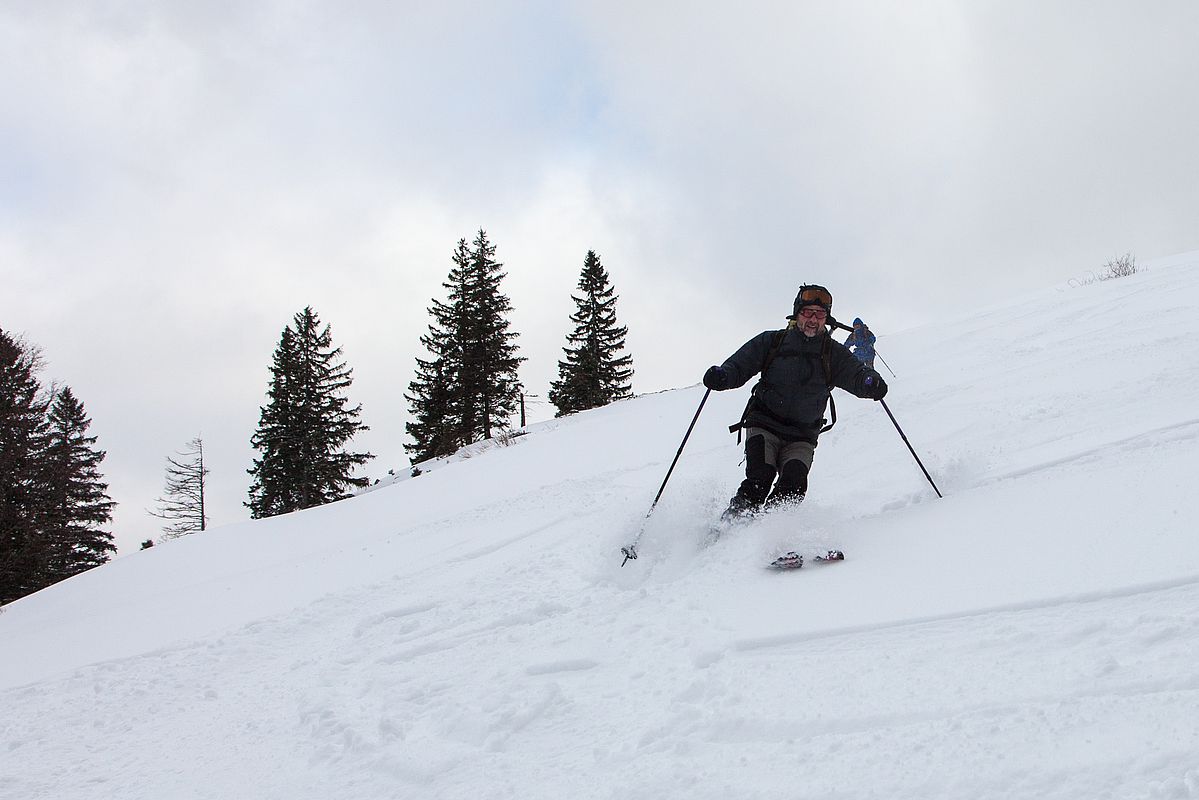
x=716 y=378
x=873 y=385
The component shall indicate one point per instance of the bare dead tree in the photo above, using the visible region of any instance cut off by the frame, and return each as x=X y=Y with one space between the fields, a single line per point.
x=182 y=503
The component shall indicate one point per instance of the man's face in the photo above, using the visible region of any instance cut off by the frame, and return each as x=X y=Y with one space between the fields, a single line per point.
x=811 y=320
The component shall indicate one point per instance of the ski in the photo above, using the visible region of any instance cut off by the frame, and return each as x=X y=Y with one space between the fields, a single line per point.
x=794 y=560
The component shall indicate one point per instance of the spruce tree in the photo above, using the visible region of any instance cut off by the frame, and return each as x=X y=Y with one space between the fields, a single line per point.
x=53 y=500
x=468 y=387
x=438 y=427
x=182 y=503
x=594 y=373
x=305 y=427
x=489 y=381
x=433 y=428
x=78 y=504
x=274 y=488
x=24 y=553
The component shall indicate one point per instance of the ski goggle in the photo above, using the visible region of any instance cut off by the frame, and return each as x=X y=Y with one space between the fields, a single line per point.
x=815 y=295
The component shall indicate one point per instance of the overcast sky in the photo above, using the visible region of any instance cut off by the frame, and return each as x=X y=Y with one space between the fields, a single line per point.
x=177 y=179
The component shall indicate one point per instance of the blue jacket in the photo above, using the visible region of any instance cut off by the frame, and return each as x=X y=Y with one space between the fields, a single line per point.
x=861 y=341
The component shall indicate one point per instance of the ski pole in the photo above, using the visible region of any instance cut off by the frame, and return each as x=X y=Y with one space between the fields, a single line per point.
x=885 y=364
x=909 y=444
x=836 y=324
x=630 y=550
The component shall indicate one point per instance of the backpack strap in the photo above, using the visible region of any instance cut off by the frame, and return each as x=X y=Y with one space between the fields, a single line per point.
x=826 y=358
x=775 y=345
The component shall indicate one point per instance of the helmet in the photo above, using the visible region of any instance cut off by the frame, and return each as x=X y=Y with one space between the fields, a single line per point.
x=812 y=295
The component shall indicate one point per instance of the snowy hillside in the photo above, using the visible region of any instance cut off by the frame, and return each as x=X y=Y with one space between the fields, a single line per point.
x=471 y=634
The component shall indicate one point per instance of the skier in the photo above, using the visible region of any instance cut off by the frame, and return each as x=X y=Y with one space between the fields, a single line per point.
x=861 y=341
x=785 y=414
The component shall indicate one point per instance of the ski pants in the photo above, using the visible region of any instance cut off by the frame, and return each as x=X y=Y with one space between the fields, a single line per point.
x=767 y=457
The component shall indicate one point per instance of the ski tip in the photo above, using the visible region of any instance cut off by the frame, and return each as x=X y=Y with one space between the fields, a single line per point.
x=794 y=560
x=790 y=560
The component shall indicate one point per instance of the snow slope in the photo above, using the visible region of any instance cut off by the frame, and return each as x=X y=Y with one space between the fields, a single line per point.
x=470 y=633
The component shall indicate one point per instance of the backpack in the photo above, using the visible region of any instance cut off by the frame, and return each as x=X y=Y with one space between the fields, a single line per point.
x=825 y=360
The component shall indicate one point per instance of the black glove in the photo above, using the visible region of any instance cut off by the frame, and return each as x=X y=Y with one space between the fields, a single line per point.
x=716 y=378
x=874 y=386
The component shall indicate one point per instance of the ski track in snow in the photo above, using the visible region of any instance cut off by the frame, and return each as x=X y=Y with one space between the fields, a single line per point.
x=1185 y=432
x=946 y=686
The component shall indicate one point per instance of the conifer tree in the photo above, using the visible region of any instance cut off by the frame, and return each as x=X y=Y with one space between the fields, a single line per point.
x=53 y=501
x=273 y=489
x=78 y=504
x=305 y=427
x=434 y=429
x=490 y=384
x=468 y=388
x=23 y=441
x=594 y=373
x=438 y=427
x=182 y=503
